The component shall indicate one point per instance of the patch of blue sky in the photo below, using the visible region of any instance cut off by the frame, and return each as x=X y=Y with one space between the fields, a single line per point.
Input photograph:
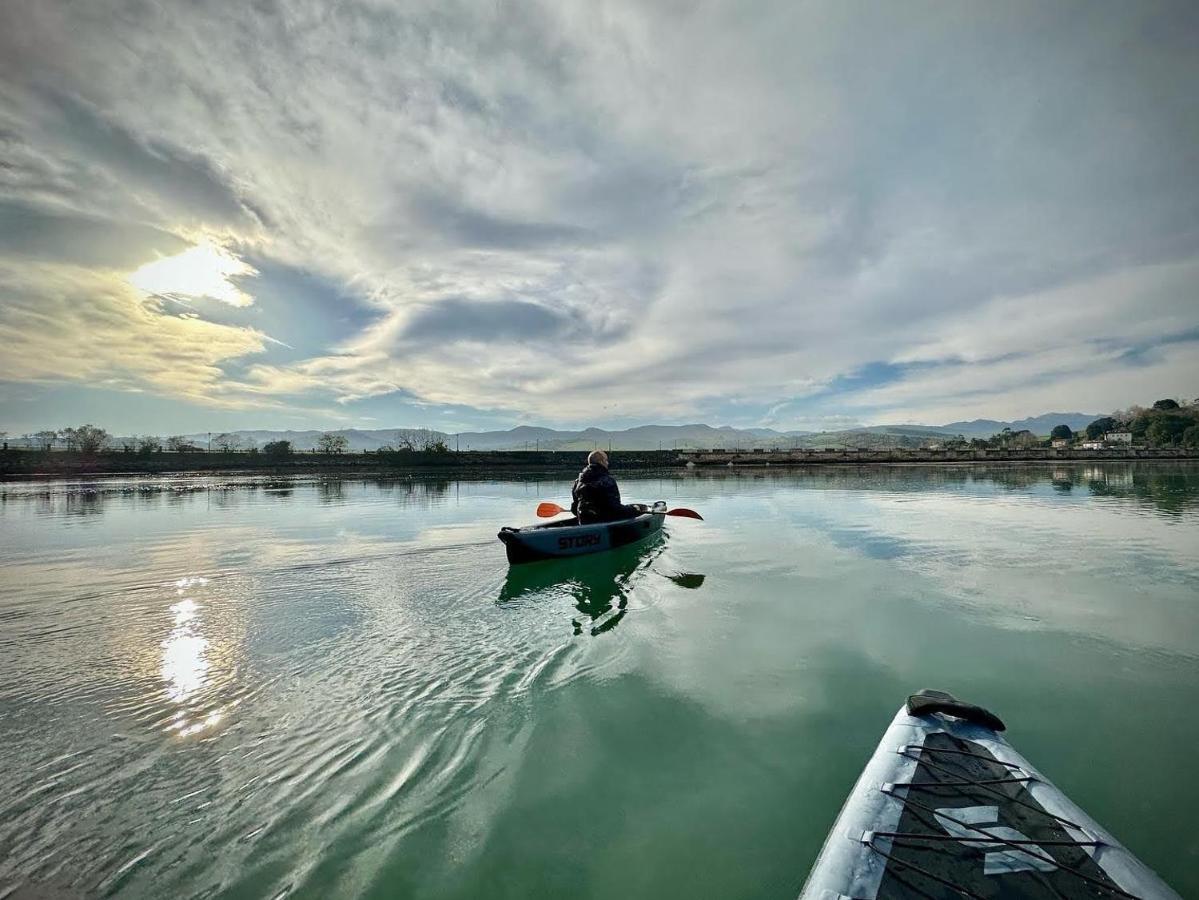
x=304 y=314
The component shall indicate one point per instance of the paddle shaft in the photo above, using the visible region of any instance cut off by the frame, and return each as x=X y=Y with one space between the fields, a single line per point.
x=547 y=509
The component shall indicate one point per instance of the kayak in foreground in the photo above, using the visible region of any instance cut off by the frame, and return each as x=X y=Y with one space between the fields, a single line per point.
x=567 y=537
x=946 y=808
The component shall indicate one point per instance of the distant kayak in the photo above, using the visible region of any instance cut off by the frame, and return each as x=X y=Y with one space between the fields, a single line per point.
x=566 y=537
x=946 y=808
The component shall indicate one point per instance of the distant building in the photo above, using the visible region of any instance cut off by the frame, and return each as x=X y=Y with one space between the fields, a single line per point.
x=1061 y=443
x=1093 y=445
x=1118 y=437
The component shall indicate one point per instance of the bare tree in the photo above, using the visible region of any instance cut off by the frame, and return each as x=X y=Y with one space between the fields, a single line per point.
x=332 y=443
x=228 y=443
x=419 y=439
x=177 y=443
x=85 y=438
x=149 y=444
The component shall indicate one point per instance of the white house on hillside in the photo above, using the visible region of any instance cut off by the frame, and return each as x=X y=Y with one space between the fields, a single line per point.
x=1118 y=437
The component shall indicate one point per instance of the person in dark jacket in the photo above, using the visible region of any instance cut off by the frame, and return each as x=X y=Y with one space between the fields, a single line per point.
x=596 y=498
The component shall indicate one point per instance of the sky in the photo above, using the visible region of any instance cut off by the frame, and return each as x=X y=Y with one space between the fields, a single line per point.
x=465 y=216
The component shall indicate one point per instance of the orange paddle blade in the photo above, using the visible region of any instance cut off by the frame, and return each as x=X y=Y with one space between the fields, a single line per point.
x=684 y=513
x=547 y=509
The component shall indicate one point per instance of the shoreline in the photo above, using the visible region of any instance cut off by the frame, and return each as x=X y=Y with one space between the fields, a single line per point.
x=25 y=465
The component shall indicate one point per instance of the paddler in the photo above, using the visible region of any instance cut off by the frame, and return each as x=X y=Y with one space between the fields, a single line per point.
x=596 y=497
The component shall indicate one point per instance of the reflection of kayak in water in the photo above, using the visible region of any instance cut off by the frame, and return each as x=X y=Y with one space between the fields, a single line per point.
x=946 y=808
x=596 y=585
x=567 y=538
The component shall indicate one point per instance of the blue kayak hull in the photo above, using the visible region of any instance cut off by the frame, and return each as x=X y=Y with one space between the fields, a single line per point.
x=567 y=538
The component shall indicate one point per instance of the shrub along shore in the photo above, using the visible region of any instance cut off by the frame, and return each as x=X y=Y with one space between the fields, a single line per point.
x=33 y=463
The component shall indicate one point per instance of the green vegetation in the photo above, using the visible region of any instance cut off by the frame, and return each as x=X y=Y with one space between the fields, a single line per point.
x=1006 y=440
x=277 y=449
x=1168 y=423
x=1100 y=427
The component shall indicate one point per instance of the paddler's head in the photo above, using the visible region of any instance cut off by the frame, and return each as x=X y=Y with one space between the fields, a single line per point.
x=597 y=458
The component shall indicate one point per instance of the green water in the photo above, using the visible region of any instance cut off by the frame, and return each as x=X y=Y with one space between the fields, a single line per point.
x=256 y=688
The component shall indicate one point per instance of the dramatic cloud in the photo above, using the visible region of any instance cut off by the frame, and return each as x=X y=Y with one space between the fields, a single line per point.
x=60 y=323
x=584 y=213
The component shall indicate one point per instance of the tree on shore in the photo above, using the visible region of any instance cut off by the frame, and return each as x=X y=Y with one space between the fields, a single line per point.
x=1100 y=427
x=420 y=439
x=44 y=440
x=277 y=449
x=1168 y=429
x=177 y=443
x=148 y=444
x=85 y=438
x=228 y=443
x=1061 y=432
x=330 y=443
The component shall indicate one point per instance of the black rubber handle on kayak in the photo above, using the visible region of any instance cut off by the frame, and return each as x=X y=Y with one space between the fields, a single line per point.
x=928 y=702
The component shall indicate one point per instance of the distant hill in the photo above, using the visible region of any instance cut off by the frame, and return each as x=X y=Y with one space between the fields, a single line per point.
x=644 y=437
x=668 y=437
x=1037 y=424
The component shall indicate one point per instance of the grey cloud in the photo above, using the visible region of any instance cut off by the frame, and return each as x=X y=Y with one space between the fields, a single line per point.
x=80 y=240
x=466 y=227
x=488 y=321
x=193 y=186
x=60 y=144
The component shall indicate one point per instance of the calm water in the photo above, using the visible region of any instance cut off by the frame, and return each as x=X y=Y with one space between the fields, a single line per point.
x=251 y=688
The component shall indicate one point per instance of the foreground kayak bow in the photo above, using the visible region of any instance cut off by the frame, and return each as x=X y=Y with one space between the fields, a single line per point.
x=947 y=808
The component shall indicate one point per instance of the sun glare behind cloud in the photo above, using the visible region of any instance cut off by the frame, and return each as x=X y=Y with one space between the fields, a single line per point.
x=203 y=271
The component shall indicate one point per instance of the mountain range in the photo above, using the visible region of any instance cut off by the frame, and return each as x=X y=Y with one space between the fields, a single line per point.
x=667 y=437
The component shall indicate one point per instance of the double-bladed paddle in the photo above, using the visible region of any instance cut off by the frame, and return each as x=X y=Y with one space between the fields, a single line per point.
x=547 y=509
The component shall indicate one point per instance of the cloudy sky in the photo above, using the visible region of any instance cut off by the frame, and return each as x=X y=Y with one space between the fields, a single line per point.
x=294 y=213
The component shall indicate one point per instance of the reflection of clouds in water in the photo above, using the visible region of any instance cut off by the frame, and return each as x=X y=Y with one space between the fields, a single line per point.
x=977 y=528
x=1030 y=563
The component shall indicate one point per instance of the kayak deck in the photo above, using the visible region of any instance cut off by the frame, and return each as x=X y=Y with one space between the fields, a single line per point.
x=947 y=808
